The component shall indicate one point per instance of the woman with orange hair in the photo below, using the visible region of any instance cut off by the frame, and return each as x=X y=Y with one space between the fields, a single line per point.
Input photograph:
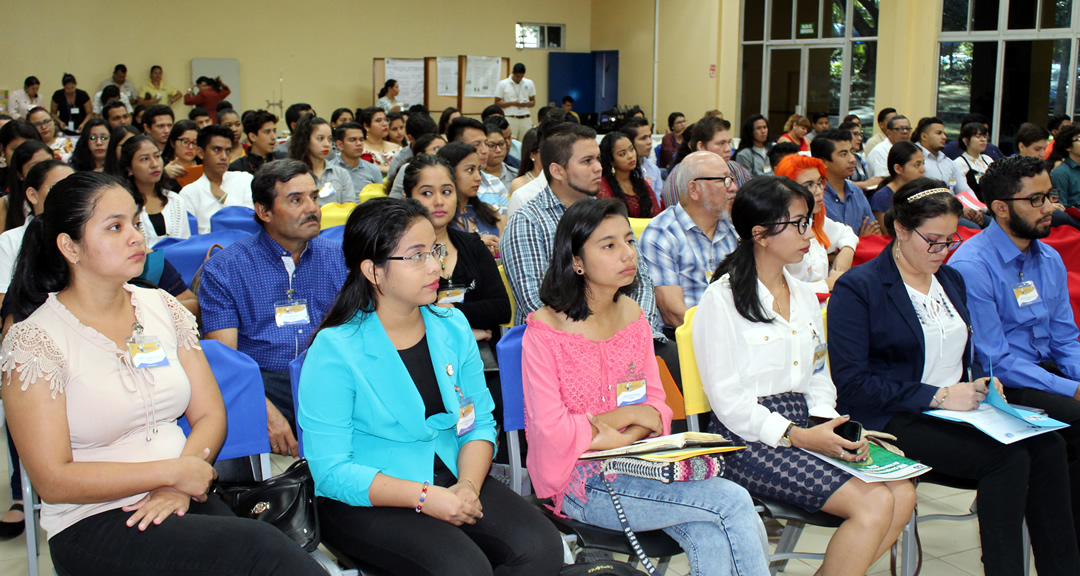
x=833 y=242
x=795 y=130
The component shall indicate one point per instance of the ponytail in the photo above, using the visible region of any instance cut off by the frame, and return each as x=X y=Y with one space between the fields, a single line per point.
x=39 y=270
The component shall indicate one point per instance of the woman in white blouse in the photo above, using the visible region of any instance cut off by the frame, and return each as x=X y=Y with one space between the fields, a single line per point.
x=761 y=349
x=96 y=373
x=972 y=162
x=832 y=241
x=164 y=214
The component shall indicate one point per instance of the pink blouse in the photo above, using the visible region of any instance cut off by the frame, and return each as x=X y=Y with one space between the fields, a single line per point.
x=566 y=375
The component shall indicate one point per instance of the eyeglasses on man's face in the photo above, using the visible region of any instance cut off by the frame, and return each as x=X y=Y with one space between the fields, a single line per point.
x=1037 y=199
x=420 y=259
x=726 y=180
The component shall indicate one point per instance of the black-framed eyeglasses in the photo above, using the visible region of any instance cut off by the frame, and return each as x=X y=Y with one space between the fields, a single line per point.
x=937 y=247
x=727 y=180
x=819 y=184
x=420 y=259
x=1037 y=199
x=800 y=224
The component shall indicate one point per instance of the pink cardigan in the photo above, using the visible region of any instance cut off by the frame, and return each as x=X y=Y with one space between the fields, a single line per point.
x=566 y=375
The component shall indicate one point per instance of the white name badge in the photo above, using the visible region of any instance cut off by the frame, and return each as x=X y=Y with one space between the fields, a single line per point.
x=466 y=417
x=146 y=352
x=291 y=313
x=1025 y=293
x=820 y=352
x=451 y=296
x=630 y=393
x=327 y=190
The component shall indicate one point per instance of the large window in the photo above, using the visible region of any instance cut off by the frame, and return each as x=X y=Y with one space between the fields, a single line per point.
x=806 y=56
x=1010 y=60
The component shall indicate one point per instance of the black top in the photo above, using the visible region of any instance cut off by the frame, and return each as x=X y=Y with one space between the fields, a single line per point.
x=418 y=362
x=158 y=221
x=72 y=113
x=251 y=162
x=487 y=305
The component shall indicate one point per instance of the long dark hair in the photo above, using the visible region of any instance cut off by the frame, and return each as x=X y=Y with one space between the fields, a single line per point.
x=444 y=119
x=746 y=133
x=178 y=129
x=127 y=156
x=901 y=154
x=300 y=143
x=762 y=201
x=1062 y=142
x=386 y=87
x=641 y=188
x=372 y=232
x=454 y=153
x=530 y=143
x=40 y=267
x=563 y=289
x=211 y=82
x=912 y=214
x=112 y=159
x=16 y=198
x=81 y=157
x=417 y=164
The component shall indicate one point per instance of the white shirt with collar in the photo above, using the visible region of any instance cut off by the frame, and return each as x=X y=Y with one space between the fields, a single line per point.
x=526 y=193
x=814 y=268
x=200 y=201
x=877 y=161
x=10 y=243
x=941 y=167
x=509 y=91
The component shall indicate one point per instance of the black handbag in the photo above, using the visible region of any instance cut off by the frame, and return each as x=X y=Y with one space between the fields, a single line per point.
x=286 y=501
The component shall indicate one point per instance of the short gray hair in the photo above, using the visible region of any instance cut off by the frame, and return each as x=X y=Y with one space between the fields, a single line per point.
x=263 y=186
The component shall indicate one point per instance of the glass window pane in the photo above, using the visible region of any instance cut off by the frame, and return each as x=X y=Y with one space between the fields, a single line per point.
x=863 y=82
x=966 y=76
x=833 y=18
x=954 y=16
x=865 y=18
x=783 y=86
x=1022 y=14
x=753 y=20
x=1036 y=87
x=1055 y=14
x=984 y=14
x=782 y=13
x=806 y=19
x=752 y=68
x=823 y=86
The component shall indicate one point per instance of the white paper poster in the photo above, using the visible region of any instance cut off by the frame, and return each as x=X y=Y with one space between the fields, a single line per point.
x=410 y=76
x=481 y=76
x=448 y=76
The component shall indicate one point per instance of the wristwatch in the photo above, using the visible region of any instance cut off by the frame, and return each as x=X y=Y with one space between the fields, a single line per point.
x=785 y=440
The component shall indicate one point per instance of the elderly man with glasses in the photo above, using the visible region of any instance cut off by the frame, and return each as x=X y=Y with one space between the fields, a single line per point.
x=896 y=129
x=1018 y=294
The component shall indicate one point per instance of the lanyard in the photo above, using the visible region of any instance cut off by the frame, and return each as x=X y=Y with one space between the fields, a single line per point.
x=290 y=267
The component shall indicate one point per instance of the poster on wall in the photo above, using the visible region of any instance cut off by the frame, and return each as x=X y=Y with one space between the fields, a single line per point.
x=409 y=74
x=447 y=76
x=481 y=76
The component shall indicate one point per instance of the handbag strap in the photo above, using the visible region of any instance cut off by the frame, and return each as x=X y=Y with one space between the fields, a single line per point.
x=645 y=562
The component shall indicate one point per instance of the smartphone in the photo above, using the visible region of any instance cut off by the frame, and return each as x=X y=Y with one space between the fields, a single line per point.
x=850 y=430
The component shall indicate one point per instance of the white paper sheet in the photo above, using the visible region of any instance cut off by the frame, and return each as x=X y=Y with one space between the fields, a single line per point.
x=447 y=77
x=481 y=76
x=410 y=76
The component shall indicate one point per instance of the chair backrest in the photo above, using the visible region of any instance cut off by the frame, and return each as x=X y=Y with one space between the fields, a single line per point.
x=638 y=225
x=335 y=233
x=188 y=255
x=513 y=394
x=375 y=190
x=295 y=365
x=513 y=302
x=334 y=214
x=693 y=393
x=241 y=386
x=193 y=224
x=234 y=218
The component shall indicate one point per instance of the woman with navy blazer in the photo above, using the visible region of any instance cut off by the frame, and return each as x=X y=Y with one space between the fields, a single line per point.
x=397 y=418
x=899 y=344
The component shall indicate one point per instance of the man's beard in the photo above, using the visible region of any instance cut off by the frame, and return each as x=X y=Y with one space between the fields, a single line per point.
x=1020 y=227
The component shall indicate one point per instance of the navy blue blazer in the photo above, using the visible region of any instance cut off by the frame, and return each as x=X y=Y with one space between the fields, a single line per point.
x=876 y=344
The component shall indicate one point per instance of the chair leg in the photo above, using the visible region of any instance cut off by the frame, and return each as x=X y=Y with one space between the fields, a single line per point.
x=909 y=548
x=1026 y=542
x=31 y=521
x=518 y=474
x=693 y=422
x=264 y=467
x=662 y=564
x=787 y=542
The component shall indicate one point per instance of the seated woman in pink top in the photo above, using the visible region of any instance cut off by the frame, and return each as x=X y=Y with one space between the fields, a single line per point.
x=590 y=337
x=96 y=373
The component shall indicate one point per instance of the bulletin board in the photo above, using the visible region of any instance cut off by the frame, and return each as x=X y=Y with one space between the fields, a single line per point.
x=474 y=106
x=432 y=100
x=378 y=69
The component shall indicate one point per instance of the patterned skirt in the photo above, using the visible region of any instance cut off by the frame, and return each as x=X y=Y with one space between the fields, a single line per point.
x=785 y=474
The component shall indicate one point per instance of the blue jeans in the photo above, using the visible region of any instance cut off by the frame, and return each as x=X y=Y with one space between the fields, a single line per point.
x=713 y=520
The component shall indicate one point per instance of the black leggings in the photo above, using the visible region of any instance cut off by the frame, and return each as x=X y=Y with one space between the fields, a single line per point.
x=207 y=540
x=512 y=538
x=1024 y=480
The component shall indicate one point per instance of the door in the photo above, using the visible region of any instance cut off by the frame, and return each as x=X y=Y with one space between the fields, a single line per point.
x=571 y=74
x=607 y=79
x=802 y=80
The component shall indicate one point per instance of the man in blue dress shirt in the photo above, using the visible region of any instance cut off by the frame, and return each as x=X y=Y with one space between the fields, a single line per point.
x=266 y=295
x=1018 y=295
x=844 y=202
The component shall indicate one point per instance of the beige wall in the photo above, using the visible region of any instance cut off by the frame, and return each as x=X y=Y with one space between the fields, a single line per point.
x=627 y=26
x=906 y=67
x=325 y=49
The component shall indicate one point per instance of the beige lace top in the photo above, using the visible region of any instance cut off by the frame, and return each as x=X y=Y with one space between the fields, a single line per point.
x=115 y=412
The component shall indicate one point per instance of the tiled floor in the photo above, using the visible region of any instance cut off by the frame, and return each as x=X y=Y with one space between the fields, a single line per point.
x=949 y=548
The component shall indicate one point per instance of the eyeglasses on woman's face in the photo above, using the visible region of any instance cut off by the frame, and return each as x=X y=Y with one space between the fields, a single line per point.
x=420 y=259
x=936 y=247
x=800 y=224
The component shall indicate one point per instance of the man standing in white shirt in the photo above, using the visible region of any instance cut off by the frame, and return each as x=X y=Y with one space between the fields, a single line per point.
x=515 y=95
x=217 y=187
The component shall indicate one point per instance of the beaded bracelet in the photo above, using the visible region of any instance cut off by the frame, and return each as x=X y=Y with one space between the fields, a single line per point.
x=423 y=496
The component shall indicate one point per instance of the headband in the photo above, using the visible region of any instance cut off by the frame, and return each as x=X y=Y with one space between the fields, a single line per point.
x=926 y=193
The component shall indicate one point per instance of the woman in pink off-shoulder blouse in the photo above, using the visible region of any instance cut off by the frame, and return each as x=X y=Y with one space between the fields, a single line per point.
x=592 y=383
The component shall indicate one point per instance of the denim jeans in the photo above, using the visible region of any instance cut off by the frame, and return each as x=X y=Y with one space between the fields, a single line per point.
x=713 y=520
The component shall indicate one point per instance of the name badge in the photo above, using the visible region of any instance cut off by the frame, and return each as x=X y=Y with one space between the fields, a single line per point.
x=146 y=352
x=820 y=352
x=291 y=313
x=952 y=184
x=451 y=296
x=466 y=416
x=326 y=190
x=630 y=393
x=1025 y=293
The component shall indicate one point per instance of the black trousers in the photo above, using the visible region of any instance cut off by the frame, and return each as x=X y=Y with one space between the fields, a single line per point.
x=207 y=540
x=1026 y=480
x=1066 y=410
x=512 y=538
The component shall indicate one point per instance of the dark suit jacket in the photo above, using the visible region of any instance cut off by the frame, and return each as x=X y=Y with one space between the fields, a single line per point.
x=876 y=344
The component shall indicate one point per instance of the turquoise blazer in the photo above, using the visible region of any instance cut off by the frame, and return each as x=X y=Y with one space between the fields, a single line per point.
x=362 y=415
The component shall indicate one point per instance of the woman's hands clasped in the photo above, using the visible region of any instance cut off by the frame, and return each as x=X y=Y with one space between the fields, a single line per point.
x=192 y=477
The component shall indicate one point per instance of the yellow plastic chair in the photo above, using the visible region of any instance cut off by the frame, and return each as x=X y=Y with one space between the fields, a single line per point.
x=334 y=214
x=638 y=225
x=695 y=400
x=372 y=191
x=506 y=284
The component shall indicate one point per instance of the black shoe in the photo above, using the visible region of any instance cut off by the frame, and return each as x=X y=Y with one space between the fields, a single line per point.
x=9 y=530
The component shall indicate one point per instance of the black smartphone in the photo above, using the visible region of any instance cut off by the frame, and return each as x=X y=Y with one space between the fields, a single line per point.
x=850 y=430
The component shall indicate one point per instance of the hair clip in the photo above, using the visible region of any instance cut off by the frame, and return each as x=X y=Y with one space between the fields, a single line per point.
x=926 y=193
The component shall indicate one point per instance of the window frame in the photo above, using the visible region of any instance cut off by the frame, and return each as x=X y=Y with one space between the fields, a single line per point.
x=540 y=25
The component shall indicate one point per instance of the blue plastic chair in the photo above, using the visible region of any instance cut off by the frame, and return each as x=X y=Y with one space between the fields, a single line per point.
x=187 y=255
x=193 y=223
x=295 y=365
x=234 y=218
x=335 y=233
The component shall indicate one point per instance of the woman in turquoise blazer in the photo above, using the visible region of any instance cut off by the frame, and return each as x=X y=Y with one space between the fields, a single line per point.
x=397 y=419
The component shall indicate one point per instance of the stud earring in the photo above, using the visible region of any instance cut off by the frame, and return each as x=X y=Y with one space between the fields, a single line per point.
x=579 y=271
